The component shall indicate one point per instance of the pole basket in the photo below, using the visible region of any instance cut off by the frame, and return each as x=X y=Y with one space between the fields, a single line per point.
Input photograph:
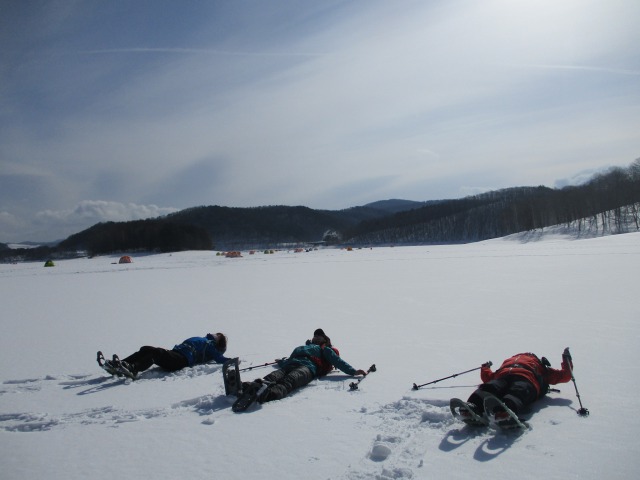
x=354 y=385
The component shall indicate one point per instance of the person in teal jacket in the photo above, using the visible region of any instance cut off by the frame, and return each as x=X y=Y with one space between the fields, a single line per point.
x=192 y=351
x=313 y=360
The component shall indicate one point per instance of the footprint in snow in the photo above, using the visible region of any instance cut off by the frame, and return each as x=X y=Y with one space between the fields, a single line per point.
x=382 y=448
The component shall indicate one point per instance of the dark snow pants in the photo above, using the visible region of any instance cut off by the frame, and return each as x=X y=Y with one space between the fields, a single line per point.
x=285 y=381
x=514 y=391
x=168 y=360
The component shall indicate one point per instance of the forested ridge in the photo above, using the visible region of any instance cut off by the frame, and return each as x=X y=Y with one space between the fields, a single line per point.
x=608 y=201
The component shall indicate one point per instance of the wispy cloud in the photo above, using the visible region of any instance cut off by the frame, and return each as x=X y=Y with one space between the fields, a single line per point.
x=325 y=104
x=199 y=51
x=48 y=225
x=579 y=68
x=93 y=211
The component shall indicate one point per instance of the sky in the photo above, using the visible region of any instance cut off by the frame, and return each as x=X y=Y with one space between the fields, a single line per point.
x=119 y=110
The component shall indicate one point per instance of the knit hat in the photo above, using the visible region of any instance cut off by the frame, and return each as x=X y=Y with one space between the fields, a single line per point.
x=320 y=333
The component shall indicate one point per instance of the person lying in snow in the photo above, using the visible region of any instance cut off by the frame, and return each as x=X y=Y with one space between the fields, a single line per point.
x=521 y=380
x=192 y=351
x=314 y=359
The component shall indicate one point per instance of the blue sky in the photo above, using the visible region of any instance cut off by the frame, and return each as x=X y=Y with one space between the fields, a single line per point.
x=119 y=110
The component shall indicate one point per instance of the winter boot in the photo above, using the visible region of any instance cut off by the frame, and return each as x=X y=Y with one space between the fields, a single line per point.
x=503 y=420
x=128 y=370
x=108 y=365
x=251 y=392
x=502 y=415
x=467 y=412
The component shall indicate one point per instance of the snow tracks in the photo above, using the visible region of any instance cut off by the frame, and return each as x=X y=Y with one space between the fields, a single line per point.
x=414 y=434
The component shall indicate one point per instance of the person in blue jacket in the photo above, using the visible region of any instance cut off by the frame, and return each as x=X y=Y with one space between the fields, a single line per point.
x=312 y=360
x=192 y=351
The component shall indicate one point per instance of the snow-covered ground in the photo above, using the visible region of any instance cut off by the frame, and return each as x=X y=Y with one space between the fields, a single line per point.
x=418 y=313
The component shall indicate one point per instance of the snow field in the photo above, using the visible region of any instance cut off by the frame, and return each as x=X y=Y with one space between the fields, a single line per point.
x=418 y=313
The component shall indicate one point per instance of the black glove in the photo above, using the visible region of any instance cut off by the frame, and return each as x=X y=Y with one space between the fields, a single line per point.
x=566 y=355
x=487 y=364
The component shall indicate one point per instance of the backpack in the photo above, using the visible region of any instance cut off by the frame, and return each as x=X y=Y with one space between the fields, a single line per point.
x=323 y=365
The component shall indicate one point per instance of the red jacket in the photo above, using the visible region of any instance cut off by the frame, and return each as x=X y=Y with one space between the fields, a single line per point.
x=529 y=366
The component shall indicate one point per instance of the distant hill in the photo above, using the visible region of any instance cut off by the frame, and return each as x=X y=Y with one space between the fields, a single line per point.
x=160 y=235
x=238 y=228
x=396 y=205
x=614 y=196
x=610 y=200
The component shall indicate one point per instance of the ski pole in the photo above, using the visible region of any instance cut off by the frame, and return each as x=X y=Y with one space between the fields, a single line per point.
x=258 y=366
x=583 y=412
x=354 y=385
x=416 y=387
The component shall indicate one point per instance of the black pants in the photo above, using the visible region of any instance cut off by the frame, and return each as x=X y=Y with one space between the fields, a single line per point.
x=169 y=360
x=285 y=381
x=514 y=391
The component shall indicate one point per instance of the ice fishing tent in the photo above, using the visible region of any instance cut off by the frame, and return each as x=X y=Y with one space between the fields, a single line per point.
x=49 y=263
x=125 y=259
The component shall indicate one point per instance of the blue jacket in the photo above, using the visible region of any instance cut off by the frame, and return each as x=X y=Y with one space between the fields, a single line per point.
x=199 y=350
x=302 y=356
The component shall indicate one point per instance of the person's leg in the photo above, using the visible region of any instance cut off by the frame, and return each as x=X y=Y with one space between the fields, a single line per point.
x=142 y=359
x=521 y=393
x=169 y=360
x=276 y=376
x=497 y=388
x=287 y=382
x=270 y=379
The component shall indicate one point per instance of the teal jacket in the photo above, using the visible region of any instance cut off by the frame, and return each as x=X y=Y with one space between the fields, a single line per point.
x=303 y=356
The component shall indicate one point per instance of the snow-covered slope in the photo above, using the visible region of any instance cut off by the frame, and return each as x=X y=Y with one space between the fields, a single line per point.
x=418 y=313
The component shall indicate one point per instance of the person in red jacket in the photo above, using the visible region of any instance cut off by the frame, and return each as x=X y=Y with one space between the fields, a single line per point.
x=520 y=381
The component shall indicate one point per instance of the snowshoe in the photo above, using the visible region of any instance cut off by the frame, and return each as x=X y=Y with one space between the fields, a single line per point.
x=231 y=377
x=124 y=368
x=503 y=417
x=128 y=370
x=504 y=420
x=465 y=412
x=251 y=393
x=107 y=365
